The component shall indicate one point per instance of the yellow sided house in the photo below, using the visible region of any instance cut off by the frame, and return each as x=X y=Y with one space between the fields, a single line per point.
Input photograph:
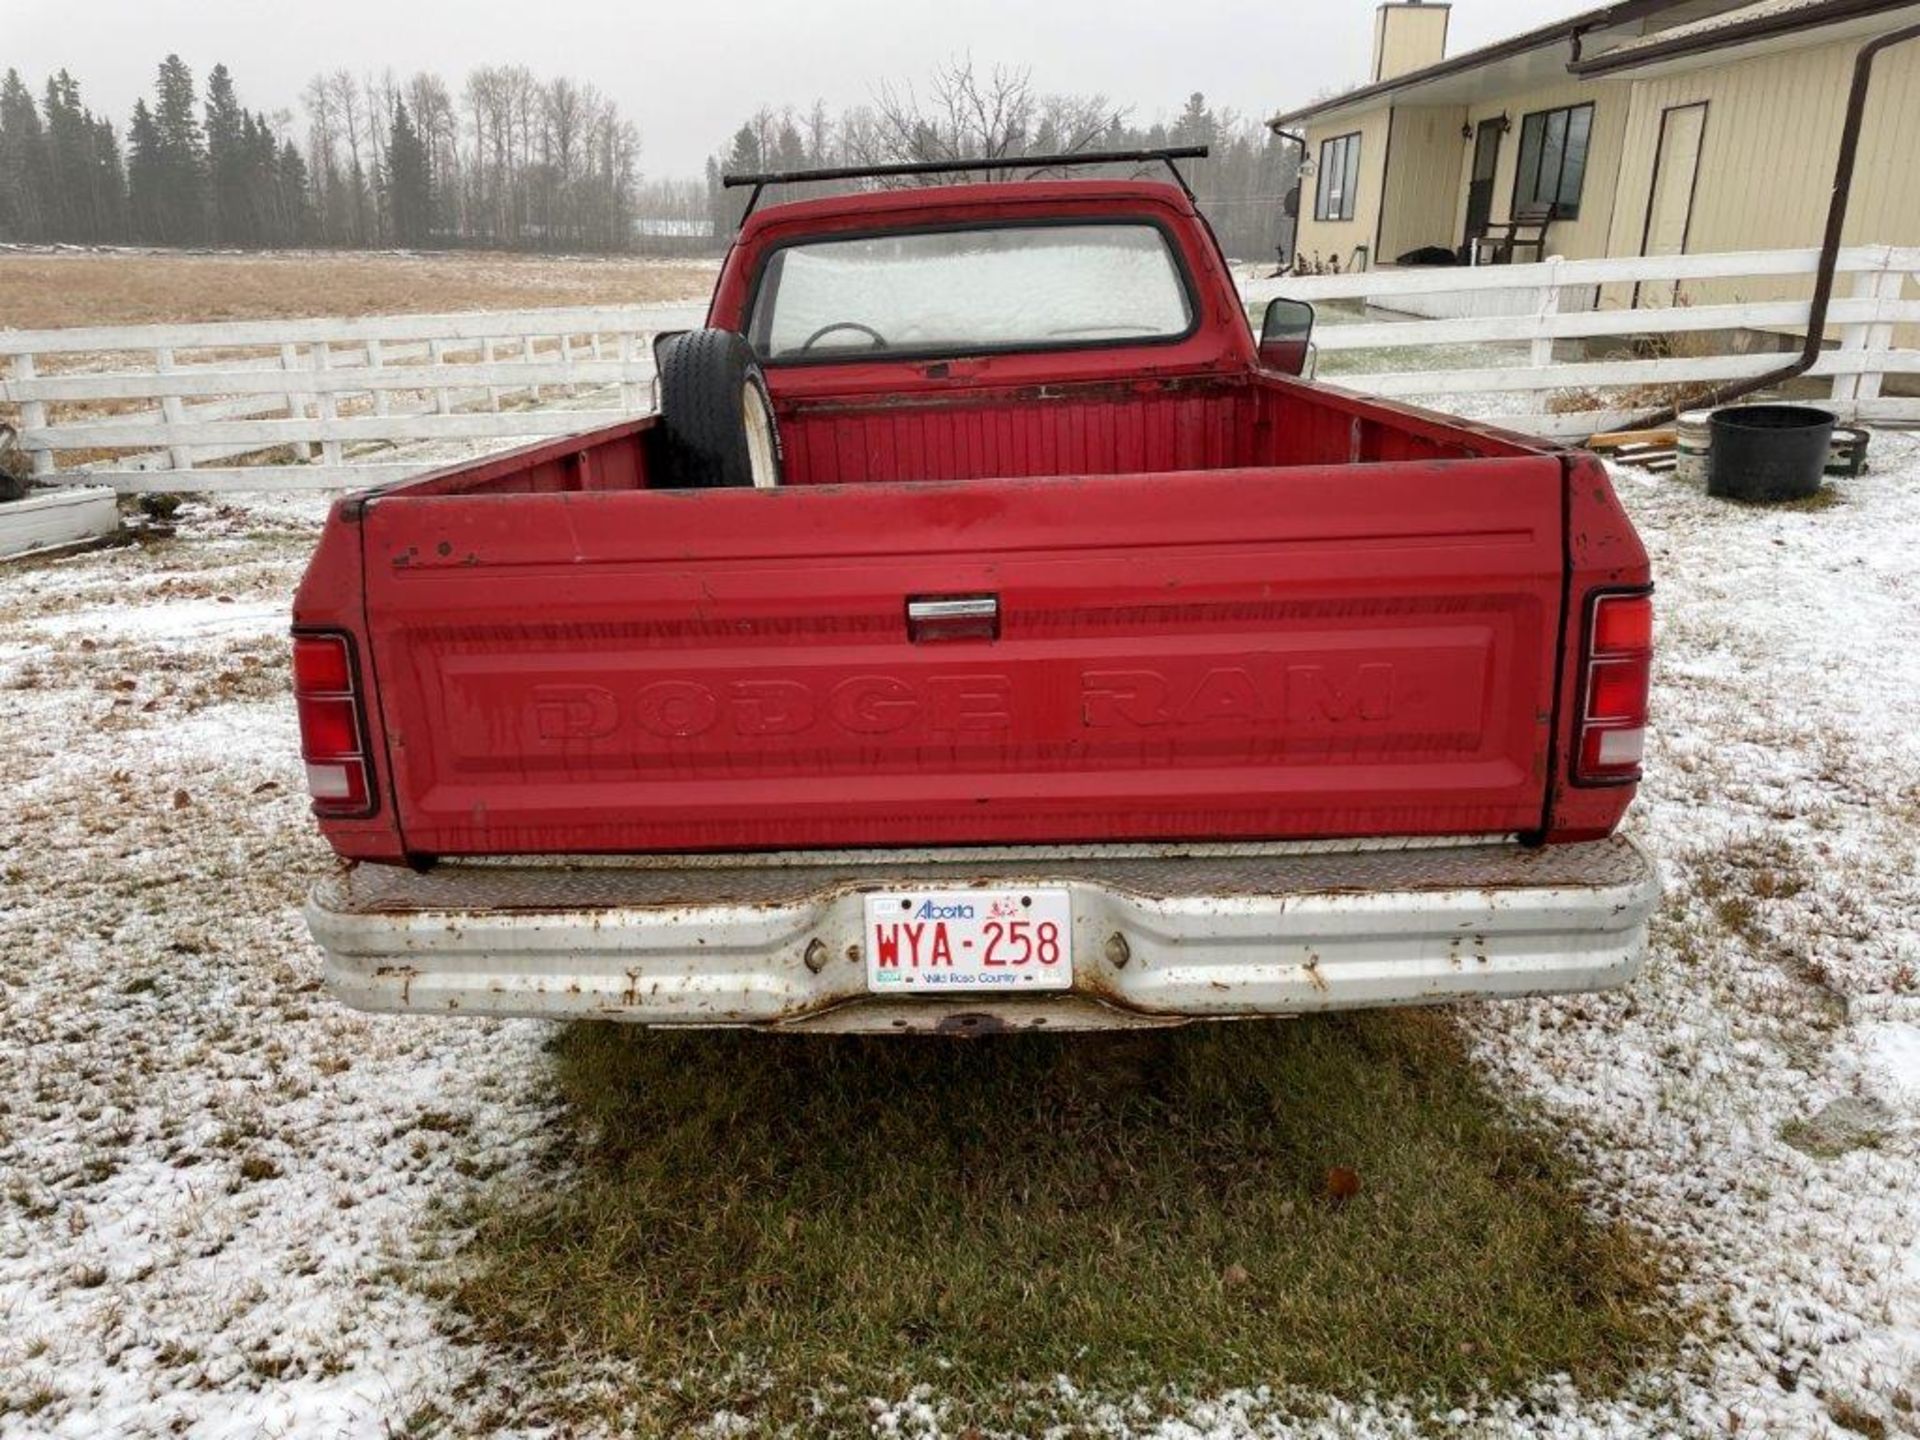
x=1648 y=127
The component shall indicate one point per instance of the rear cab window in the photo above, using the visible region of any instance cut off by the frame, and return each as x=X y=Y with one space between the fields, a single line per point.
x=930 y=293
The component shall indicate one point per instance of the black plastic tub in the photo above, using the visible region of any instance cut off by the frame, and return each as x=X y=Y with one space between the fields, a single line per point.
x=1768 y=452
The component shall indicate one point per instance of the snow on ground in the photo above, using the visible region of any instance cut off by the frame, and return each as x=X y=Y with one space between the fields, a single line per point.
x=1752 y=1099
x=212 y=1175
x=216 y=1186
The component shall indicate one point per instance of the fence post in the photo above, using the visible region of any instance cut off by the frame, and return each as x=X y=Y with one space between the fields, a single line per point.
x=325 y=402
x=376 y=360
x=1891 y=284
x=296 y=406
x=1541 y=353
x=33 y=415
x=629 y=392
x=172 y=410
x=437 y=357
x=1845 y=392
x=493 y=391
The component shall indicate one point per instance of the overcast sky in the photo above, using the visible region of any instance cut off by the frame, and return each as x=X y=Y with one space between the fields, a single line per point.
x=687 y=71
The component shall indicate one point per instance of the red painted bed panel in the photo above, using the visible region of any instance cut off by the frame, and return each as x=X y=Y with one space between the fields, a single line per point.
x=1241 y=653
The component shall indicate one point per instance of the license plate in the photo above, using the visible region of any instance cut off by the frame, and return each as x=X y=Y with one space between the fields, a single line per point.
x=951 y=941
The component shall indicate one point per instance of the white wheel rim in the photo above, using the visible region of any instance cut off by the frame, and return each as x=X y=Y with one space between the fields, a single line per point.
x=760 y=453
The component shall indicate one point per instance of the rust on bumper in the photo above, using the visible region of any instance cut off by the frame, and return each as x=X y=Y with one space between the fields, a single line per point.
x=1161 y=935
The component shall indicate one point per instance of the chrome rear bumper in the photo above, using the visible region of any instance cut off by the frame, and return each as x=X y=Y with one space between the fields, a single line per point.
x=1161 y=935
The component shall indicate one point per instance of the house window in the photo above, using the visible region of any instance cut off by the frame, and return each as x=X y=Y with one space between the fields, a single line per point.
x=1553 y=159
x=1339 y=177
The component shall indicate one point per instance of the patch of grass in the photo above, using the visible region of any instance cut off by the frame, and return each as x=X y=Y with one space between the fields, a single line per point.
x=175 y=1356
x=1740 y=880
x=158 y=506
x=429 y=1419
x=1741 y=873
x=1849 y=1416
x=834 y=1219
x=1578 y=400
x=30 y=1402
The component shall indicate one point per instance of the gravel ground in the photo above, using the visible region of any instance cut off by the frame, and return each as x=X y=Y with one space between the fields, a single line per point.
x=218 y=1189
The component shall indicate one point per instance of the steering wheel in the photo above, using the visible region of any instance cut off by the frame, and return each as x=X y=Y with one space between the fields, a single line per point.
x=879 y=340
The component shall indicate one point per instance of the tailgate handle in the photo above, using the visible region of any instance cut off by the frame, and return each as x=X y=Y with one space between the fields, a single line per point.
x=953 y=617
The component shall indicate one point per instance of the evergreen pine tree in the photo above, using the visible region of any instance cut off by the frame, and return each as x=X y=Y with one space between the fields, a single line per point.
x=25 y=193
x=69 y=154
x=362 y=234
x=1196 y=125
x=146 y=178
x=109 y=183
x=85 y=185
x=745 y=157
x=183 y=200
x=293 y=198
x=229 y=211
x=261 y=161
x=409 y=182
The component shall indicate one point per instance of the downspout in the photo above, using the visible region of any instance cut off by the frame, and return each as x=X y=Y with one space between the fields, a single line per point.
x=1300 y=193
x=1829 y=245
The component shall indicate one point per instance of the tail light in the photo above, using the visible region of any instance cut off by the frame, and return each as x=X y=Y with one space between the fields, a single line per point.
x=332 y=738
x=1613 y=703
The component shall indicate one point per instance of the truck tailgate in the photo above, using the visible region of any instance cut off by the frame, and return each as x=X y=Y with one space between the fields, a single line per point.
x=1347 y=650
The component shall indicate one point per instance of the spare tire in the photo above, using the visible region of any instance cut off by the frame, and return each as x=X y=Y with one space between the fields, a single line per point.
x=716 y=418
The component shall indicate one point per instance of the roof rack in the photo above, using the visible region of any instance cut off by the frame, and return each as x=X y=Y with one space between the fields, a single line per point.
x=1165 y=155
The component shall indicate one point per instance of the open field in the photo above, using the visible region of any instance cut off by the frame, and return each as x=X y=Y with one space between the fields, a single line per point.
x=46 y=290
x=229 y=1207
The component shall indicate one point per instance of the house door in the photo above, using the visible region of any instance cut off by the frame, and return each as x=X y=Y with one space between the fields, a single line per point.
x=1486 y=160
x=1676 y=165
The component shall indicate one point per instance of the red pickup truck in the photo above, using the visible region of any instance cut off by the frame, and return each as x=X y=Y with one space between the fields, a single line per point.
x=988 y=632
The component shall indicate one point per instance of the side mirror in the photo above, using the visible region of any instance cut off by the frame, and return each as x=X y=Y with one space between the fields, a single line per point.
x=1286 y=336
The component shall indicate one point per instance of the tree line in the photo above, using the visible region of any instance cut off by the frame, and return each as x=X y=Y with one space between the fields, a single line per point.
x=964 y=112
x=509 y=161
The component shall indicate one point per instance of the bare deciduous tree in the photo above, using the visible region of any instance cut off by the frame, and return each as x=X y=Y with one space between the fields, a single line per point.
x=971 y=115
x=963 y=112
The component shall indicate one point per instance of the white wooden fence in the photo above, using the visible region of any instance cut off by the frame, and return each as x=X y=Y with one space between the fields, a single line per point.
x=1868 y=304
x=319 y=404
x=323 y=404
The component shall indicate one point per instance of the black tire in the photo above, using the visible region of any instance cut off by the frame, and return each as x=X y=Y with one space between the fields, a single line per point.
x=706 y=419
x=14 y=468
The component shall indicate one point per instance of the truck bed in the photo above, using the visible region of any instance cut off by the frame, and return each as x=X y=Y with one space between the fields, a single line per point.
x=1176 y=424
x=1250 y=611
